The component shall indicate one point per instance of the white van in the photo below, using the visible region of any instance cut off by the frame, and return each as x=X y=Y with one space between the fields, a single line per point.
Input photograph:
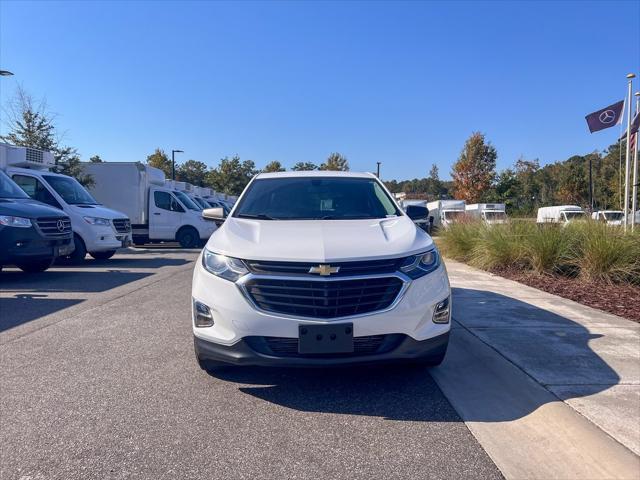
x=610 y=217
x=446 y=212
x=560 y=214
x=158 y=212
x=490 y=213
x=97 y=230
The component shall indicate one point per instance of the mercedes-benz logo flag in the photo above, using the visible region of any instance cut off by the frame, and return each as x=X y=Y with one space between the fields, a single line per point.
x=605 y=118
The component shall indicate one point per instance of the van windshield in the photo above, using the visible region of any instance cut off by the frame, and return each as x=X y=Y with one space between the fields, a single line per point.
x=315 y=198
x=187 y=202
x=453 y=215
x=495 y=215
x=70 y=190
x=8 y=189
x=573 y=215
x=613 y=216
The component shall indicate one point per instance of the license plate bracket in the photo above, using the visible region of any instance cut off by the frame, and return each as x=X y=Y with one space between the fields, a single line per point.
x=319 y=339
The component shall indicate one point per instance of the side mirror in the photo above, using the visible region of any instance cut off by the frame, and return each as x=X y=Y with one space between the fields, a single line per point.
x=417 y=212
x=215 y=214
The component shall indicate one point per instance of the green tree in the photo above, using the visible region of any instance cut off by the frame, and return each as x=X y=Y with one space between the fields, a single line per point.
x=32 y=125
x=335 y=161
x=159 y=159
x=192 y=171
x=474 y=172
x=231 y=175
x=304 y=166
x=434 y=187
x=274 y=166
x=95 y=159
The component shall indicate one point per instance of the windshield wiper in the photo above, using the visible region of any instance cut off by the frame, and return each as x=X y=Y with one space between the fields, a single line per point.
x=258 y=216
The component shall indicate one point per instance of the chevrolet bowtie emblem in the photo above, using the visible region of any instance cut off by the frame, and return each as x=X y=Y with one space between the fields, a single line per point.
x=324 y=270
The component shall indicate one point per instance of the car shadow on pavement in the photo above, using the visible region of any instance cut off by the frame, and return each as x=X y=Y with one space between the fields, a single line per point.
x=125 y=262
x=67 y=281
x=25 y=308
x=394 y=392
x=548 y=347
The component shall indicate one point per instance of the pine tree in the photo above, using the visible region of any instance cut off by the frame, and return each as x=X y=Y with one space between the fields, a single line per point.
x=335 y=161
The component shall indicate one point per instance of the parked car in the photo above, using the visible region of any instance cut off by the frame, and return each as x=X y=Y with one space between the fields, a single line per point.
x=158 y=212
x=32 y=234
x=563 y=214
x=97 y=230
x=318 y=268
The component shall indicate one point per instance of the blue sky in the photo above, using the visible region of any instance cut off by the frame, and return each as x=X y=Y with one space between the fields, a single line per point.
x=400 y=83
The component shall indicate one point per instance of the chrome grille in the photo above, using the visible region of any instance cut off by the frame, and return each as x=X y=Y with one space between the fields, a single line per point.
x=54 y=226
x=346 y=268
x=323 y=299
x=122 y=225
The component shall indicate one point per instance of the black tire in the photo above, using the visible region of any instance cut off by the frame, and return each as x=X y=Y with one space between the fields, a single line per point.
x=106 y=255
x=77 y=256
x=188 y=237
x=36 y=266
x=139 y=241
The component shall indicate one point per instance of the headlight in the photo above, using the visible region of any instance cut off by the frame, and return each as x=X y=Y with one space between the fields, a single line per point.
x=228 y=268
x=419 y=265
x=10 y=221
x=97 y=221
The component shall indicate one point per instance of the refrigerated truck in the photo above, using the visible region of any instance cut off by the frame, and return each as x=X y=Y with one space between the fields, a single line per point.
x=445 y=212
x=610 y=217
x=97 y=229
x=158 y=212
x=490 y=213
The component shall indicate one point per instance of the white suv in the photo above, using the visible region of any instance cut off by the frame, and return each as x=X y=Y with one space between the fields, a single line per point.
x=319 y=268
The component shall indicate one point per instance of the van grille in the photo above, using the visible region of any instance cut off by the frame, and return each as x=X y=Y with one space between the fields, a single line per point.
x=54 y=226
x=323 y=299
x=122 y=225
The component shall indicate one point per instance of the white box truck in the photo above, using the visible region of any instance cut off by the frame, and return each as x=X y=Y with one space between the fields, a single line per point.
x=446 y=212
x=610 y=217
x=97 y=230
x=158 y=212
x=560 y=214
x=490 y=213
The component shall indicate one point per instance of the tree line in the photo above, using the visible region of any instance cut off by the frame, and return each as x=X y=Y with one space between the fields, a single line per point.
x=523 y=187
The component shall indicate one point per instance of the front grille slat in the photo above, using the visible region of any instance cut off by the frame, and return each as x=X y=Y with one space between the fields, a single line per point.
x=346 y=268
x=368 y=345
x=122 y=225
x=50 y=226
x=323 y=299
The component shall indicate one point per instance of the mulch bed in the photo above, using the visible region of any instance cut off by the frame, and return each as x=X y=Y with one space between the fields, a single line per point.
x=622 y=300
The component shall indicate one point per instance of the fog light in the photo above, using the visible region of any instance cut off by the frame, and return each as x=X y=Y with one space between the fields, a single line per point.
x=442 y=312
x=202 y=315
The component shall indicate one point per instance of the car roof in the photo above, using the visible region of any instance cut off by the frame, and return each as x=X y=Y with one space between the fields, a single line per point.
x=316 y=173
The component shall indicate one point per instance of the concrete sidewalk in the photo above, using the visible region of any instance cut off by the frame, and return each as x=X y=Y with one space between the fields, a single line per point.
x=550 y=388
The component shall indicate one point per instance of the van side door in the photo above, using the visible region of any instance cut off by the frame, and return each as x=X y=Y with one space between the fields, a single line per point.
x=165 y=215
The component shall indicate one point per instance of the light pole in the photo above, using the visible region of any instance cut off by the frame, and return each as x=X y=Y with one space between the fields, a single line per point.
x=173 y=163
x=634 y=184
x=378 y=169
x=625 y=204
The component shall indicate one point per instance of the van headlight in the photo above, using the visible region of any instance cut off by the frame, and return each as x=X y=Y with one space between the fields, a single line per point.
x=222 y=266
x=419 y=265
x=11 y=221
x=97 y=221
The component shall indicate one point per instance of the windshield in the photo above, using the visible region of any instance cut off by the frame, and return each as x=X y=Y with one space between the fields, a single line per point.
x=70 y=190
x=8 y=189
x=201 y=203
x=495 y=215
x=613 y=216
x=315 y=198
x=453 y=215
x=186 y=201
x=573 y=215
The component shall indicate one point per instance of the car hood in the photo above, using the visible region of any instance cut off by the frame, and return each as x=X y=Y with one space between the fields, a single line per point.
x=318 y=240
x=96 y=211
x=27 y=208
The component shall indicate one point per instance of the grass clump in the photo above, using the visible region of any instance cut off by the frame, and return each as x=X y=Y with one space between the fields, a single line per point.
x=459 y=239
x=500 y=246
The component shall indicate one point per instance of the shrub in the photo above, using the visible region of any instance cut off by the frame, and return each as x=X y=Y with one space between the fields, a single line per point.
x=502 y=245
x=548 y=249
x=605 y=253
x=458 y=239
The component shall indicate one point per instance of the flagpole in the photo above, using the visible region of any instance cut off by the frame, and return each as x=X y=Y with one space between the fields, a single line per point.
x=634 y=194
x=625 y=205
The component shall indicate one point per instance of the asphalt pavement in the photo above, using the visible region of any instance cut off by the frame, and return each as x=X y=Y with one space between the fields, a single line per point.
x=99 y=380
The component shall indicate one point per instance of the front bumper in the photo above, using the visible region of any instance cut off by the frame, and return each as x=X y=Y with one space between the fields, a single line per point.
x=250 y=352
x=26 y=244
